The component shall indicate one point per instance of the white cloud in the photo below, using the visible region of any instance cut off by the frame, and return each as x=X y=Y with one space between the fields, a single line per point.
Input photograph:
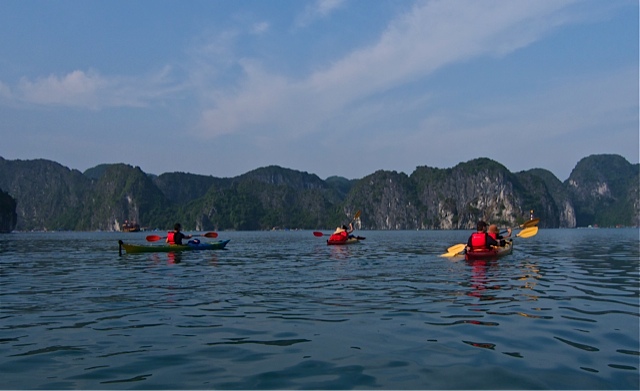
x=74 y=89
x=324 y=7
x=317 y=10
x=94 y=91
x=434 y=35
x=414 y=45
x=260 y=28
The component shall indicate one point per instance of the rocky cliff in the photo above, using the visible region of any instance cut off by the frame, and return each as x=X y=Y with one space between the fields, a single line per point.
x=605 y=190
x=8 y=215
x=602 y=190
x=47 y=194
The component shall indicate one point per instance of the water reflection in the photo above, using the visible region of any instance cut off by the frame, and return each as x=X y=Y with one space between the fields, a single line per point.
x=177 y=257
x=483 y=278
x=529 y=280
x=340 y=253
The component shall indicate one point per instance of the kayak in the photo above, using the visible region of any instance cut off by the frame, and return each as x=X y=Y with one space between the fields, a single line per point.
x=493 y=253
x=354 y=240
x=139 y=248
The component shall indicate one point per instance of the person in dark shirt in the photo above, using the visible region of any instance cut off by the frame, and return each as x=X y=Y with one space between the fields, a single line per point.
x=176 y=236
x=480 y=240
x=494 y=232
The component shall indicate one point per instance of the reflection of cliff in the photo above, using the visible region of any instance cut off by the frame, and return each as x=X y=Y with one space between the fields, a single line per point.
x=8 y=216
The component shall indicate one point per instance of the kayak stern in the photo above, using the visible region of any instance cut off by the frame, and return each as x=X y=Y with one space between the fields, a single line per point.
x=493 y=253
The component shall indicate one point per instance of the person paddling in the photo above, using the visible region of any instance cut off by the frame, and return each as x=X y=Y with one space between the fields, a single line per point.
x=480 y=240
x=494 y=232
x=341 y=234
x=176 y=236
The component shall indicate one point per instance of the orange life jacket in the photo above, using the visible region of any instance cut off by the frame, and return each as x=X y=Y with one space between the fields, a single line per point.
x=170 y=237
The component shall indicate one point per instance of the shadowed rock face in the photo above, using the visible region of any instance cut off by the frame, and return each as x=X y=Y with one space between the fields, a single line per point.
x=8 y=215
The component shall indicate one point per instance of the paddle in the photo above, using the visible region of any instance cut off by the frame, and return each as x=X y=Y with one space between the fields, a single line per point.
x=528 y=232
x=527 y=224
x=355 y=217
x=155 y=238
x=454 y=250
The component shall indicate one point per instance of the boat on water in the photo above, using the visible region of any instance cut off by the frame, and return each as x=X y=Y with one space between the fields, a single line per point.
x=492 y=253
x=192 y=246
x=128 y=226
x=353 y=240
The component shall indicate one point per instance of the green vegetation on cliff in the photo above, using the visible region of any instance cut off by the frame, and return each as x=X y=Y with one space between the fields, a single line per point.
x=602 y=190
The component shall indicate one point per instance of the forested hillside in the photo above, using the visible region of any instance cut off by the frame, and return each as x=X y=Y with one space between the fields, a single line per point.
x=602 y=190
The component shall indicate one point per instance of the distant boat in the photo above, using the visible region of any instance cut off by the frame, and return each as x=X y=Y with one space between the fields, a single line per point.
x=130 y=227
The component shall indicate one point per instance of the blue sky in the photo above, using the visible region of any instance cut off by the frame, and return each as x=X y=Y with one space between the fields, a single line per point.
x=331 y=87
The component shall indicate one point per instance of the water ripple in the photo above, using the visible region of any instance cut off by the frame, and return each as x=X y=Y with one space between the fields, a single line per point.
x=281 y=310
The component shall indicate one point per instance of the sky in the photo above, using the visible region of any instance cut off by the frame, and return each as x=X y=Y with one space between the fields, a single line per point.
x=329 y=87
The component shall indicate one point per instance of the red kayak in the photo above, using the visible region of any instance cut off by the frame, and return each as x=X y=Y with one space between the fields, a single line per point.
x=354 y=240
x=493 y=253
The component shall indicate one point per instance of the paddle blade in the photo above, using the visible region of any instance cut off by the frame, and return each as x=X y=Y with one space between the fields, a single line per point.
x=528 y=232
x=318 y=234
x=355 y=217
x=153 y=238
x=457 y=248
x=530 y=223
x=454 y=250
x=211 y=235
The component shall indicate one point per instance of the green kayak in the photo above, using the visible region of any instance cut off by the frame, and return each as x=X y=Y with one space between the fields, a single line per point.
x=138 y=248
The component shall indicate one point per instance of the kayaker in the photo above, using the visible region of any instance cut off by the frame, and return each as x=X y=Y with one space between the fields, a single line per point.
x=494 y=232
x=480 y=240
x=342 y=233
x=176 y=236
x=349 y=230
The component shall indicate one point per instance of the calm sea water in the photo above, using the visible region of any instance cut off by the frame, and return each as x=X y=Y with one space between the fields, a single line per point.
x=281 y=310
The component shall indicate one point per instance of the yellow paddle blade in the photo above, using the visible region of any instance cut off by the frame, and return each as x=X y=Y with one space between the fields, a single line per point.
x=528 y=232
x=355 y=217
x=456 y=248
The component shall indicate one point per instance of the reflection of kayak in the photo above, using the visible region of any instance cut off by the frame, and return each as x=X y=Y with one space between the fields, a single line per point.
x=494 y=253
x=355 y=240
x=137 y=248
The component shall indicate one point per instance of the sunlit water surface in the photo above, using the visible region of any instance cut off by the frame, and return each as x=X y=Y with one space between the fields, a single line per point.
x=282 y=310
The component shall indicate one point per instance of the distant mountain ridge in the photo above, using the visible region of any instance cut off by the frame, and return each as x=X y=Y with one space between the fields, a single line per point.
x=602 y=190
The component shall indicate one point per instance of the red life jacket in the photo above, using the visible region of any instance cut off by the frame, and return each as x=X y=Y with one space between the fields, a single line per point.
x=339 y=237
x=493 y=235
x=170 y=238
x=479 y=241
